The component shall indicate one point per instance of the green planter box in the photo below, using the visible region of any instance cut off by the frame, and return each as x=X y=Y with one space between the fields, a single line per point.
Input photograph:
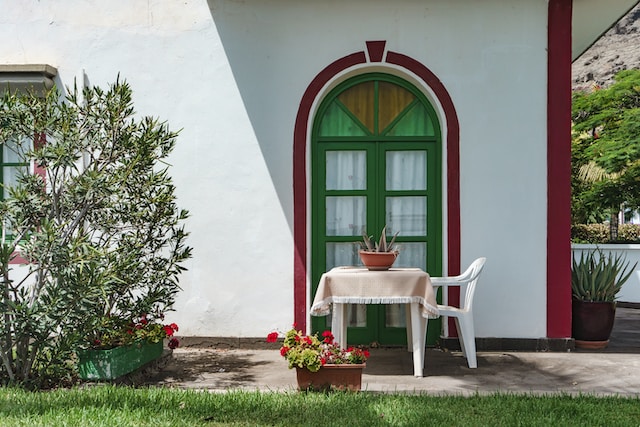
x=116 y=362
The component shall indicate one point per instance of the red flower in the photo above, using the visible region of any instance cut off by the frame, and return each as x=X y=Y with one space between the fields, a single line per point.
x=168 y=330
x=284 y=350
x=174 y=327
x=174 y=343
x=323 y=361
x=272 y=337
x=308 y=340
x=328 y=337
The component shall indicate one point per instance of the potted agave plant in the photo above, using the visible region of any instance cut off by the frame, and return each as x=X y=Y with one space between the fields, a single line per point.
x=596 y=280
x=378 y=255
x=321 y=364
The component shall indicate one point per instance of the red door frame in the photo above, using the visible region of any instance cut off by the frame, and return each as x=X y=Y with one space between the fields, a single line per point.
x=376 y=54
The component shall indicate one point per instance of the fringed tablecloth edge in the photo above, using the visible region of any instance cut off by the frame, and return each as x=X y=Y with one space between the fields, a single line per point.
x=323 y=308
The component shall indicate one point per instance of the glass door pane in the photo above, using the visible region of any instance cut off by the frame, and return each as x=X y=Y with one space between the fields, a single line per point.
x=406 y=170
x=346 y=170
x=405 y=204
x=346 y=216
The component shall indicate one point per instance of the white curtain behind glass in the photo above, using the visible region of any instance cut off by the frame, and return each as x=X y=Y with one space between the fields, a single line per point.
x=406 y=170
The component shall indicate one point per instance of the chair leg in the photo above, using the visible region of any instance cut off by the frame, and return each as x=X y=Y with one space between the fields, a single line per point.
x=467 y=340
x=460 y=336
x=407 y=315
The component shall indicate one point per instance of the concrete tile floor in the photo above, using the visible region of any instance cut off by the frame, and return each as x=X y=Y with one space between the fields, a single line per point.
x=613 y=371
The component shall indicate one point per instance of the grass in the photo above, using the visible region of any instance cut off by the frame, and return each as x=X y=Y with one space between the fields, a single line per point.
x=124 y=406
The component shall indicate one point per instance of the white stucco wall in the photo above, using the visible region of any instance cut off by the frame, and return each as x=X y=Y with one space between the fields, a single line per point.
x=231 y=75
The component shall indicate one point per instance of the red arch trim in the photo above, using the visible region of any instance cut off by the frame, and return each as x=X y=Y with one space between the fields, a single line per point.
x=300 y=179
x=300 y=183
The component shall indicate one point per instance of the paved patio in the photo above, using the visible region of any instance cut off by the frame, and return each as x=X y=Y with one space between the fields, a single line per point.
x=613 y=371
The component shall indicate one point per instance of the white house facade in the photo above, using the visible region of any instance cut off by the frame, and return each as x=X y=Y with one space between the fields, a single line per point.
x=249 y=83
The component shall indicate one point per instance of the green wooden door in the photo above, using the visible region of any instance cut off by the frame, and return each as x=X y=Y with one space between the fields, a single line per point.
x=376 y=161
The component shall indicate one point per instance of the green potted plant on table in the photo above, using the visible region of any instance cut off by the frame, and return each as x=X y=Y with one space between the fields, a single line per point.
x=596 y=280
x=322 y=364
x=378 y=255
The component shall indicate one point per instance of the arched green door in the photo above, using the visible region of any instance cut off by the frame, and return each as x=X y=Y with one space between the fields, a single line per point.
x=376 y=161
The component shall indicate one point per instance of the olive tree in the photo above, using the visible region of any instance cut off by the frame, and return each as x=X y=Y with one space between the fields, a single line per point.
x=97 y=225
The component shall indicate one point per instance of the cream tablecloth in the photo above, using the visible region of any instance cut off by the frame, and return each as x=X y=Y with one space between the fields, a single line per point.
x=352 y=285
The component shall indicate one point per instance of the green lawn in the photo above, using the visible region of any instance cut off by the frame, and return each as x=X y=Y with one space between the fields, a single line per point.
x=124 y=406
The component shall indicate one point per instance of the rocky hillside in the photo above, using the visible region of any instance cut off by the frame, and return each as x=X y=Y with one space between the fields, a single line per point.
x=618 y=49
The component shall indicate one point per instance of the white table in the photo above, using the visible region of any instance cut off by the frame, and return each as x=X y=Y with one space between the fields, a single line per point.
x=353 y=285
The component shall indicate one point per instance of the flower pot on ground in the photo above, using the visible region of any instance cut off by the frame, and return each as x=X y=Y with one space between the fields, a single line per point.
x=322 y=364
x=378 y=255
x=331 y=377
x=596 y=280
x=592 y=323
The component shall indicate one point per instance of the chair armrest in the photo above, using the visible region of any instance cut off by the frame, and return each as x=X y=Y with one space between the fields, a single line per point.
x=445 y=282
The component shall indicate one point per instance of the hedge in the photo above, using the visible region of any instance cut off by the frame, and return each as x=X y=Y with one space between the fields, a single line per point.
x=599 y=233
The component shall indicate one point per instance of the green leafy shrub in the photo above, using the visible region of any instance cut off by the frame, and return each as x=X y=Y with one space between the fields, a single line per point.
x=99 y=227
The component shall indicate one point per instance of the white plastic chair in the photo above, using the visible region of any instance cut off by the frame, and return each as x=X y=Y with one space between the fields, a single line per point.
x=463 y=315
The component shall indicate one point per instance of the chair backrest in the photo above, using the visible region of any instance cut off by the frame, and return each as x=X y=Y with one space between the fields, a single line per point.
x=466 y=280
x=471 y=277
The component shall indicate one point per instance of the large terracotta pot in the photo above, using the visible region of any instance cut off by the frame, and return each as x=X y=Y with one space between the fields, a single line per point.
x=592 y=323
x=331 y=377
x=378 y=260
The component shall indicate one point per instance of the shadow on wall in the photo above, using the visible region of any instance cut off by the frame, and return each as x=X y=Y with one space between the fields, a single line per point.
x=274 y=55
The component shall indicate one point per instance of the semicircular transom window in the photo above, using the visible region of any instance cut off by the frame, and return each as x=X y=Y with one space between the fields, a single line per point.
x=376 y=108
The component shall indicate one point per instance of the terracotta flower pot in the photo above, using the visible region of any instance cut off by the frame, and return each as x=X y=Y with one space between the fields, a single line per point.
x=331 y=377
x=378 y=260
x=592 y=323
